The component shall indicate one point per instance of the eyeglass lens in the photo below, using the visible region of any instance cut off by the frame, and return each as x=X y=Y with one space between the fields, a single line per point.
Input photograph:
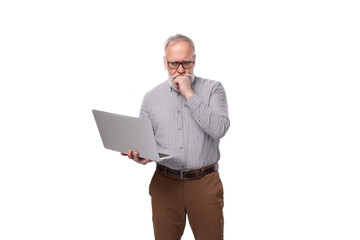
x=186 y=64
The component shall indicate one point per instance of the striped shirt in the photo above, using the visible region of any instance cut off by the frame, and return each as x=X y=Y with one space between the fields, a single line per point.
x=192 y=127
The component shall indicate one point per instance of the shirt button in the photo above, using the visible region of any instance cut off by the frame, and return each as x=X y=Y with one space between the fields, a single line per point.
x=178 y=111
x=182 y=166
x=181 y=148
x=179 y=129
x=198 y=121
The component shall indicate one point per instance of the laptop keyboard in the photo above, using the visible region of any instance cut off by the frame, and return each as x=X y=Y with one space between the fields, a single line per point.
x=161 y=155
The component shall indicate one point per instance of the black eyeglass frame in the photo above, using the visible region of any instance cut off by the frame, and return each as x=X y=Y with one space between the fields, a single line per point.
x=180 y=63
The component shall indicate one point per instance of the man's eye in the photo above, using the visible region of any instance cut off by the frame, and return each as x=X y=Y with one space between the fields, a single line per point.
x=174 y=64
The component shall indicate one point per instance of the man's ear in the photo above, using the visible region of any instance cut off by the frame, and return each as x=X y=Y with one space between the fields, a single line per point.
x=165 y=65
x=194 y=60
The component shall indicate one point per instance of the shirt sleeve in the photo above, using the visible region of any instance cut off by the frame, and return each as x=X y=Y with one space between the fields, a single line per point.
x=213 y=117
x=144 y=111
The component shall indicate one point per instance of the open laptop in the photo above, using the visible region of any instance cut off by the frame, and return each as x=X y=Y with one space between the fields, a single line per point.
x=121 y=133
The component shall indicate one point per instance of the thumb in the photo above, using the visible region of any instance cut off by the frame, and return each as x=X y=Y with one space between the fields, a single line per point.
x=176 y=83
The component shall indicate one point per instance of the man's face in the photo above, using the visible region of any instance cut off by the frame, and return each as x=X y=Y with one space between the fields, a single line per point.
x=180 y=51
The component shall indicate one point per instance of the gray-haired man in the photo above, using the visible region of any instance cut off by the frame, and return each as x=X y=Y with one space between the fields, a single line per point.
x=189 y=115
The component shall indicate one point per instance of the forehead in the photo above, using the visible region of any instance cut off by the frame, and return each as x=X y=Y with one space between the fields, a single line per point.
x=179 y=51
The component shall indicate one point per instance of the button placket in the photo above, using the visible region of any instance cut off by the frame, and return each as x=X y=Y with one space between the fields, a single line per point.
x=180 y=127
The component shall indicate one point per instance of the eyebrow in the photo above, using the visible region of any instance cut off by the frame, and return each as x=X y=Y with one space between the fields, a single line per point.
x=182 y=61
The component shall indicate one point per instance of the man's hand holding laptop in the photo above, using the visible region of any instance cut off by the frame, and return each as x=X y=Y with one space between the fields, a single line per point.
x=135 y=156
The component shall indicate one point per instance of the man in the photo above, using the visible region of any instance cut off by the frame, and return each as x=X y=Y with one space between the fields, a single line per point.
x=189 y=115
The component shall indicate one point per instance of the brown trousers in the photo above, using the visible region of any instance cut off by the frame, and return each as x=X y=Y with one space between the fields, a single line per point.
x=201 y=199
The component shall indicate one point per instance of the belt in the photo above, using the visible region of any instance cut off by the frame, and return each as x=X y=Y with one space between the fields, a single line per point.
x=188 y=174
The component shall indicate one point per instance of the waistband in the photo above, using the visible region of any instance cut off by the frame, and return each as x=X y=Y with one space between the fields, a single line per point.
x=188 y=174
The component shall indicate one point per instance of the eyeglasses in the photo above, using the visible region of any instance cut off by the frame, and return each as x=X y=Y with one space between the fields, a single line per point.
x=185 y=64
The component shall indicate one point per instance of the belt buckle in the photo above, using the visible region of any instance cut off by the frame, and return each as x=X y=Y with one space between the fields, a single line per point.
x=182 y=175
x=197 y=173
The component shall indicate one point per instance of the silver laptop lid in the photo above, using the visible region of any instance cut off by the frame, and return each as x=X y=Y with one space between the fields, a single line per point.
x=121 y=133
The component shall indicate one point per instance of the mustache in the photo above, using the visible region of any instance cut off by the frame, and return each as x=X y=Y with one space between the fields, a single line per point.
x=179 y=74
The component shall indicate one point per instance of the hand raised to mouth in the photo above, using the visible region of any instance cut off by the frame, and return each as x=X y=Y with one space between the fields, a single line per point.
x=183 y=83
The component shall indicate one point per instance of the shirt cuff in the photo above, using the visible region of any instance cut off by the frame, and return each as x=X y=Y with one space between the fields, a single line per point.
x=193 y=102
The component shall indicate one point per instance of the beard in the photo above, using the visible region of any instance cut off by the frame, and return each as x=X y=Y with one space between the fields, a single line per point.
x=171 y=79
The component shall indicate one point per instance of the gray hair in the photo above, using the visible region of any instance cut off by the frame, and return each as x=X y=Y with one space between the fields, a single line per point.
x=179 y=37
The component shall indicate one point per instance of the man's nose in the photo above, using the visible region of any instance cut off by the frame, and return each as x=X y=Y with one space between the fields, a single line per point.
x=181 y=69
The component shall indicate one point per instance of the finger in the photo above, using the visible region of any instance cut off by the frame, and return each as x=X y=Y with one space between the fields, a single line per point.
x=144 y=161
x=136 y=156
x=183 y=78
x=130 y=154
x=123 y=154
x=176 y=83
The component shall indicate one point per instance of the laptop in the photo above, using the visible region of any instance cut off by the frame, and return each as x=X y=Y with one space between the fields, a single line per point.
x=121 y=133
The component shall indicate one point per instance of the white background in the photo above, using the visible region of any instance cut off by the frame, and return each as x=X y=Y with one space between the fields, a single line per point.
x=290 y=160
